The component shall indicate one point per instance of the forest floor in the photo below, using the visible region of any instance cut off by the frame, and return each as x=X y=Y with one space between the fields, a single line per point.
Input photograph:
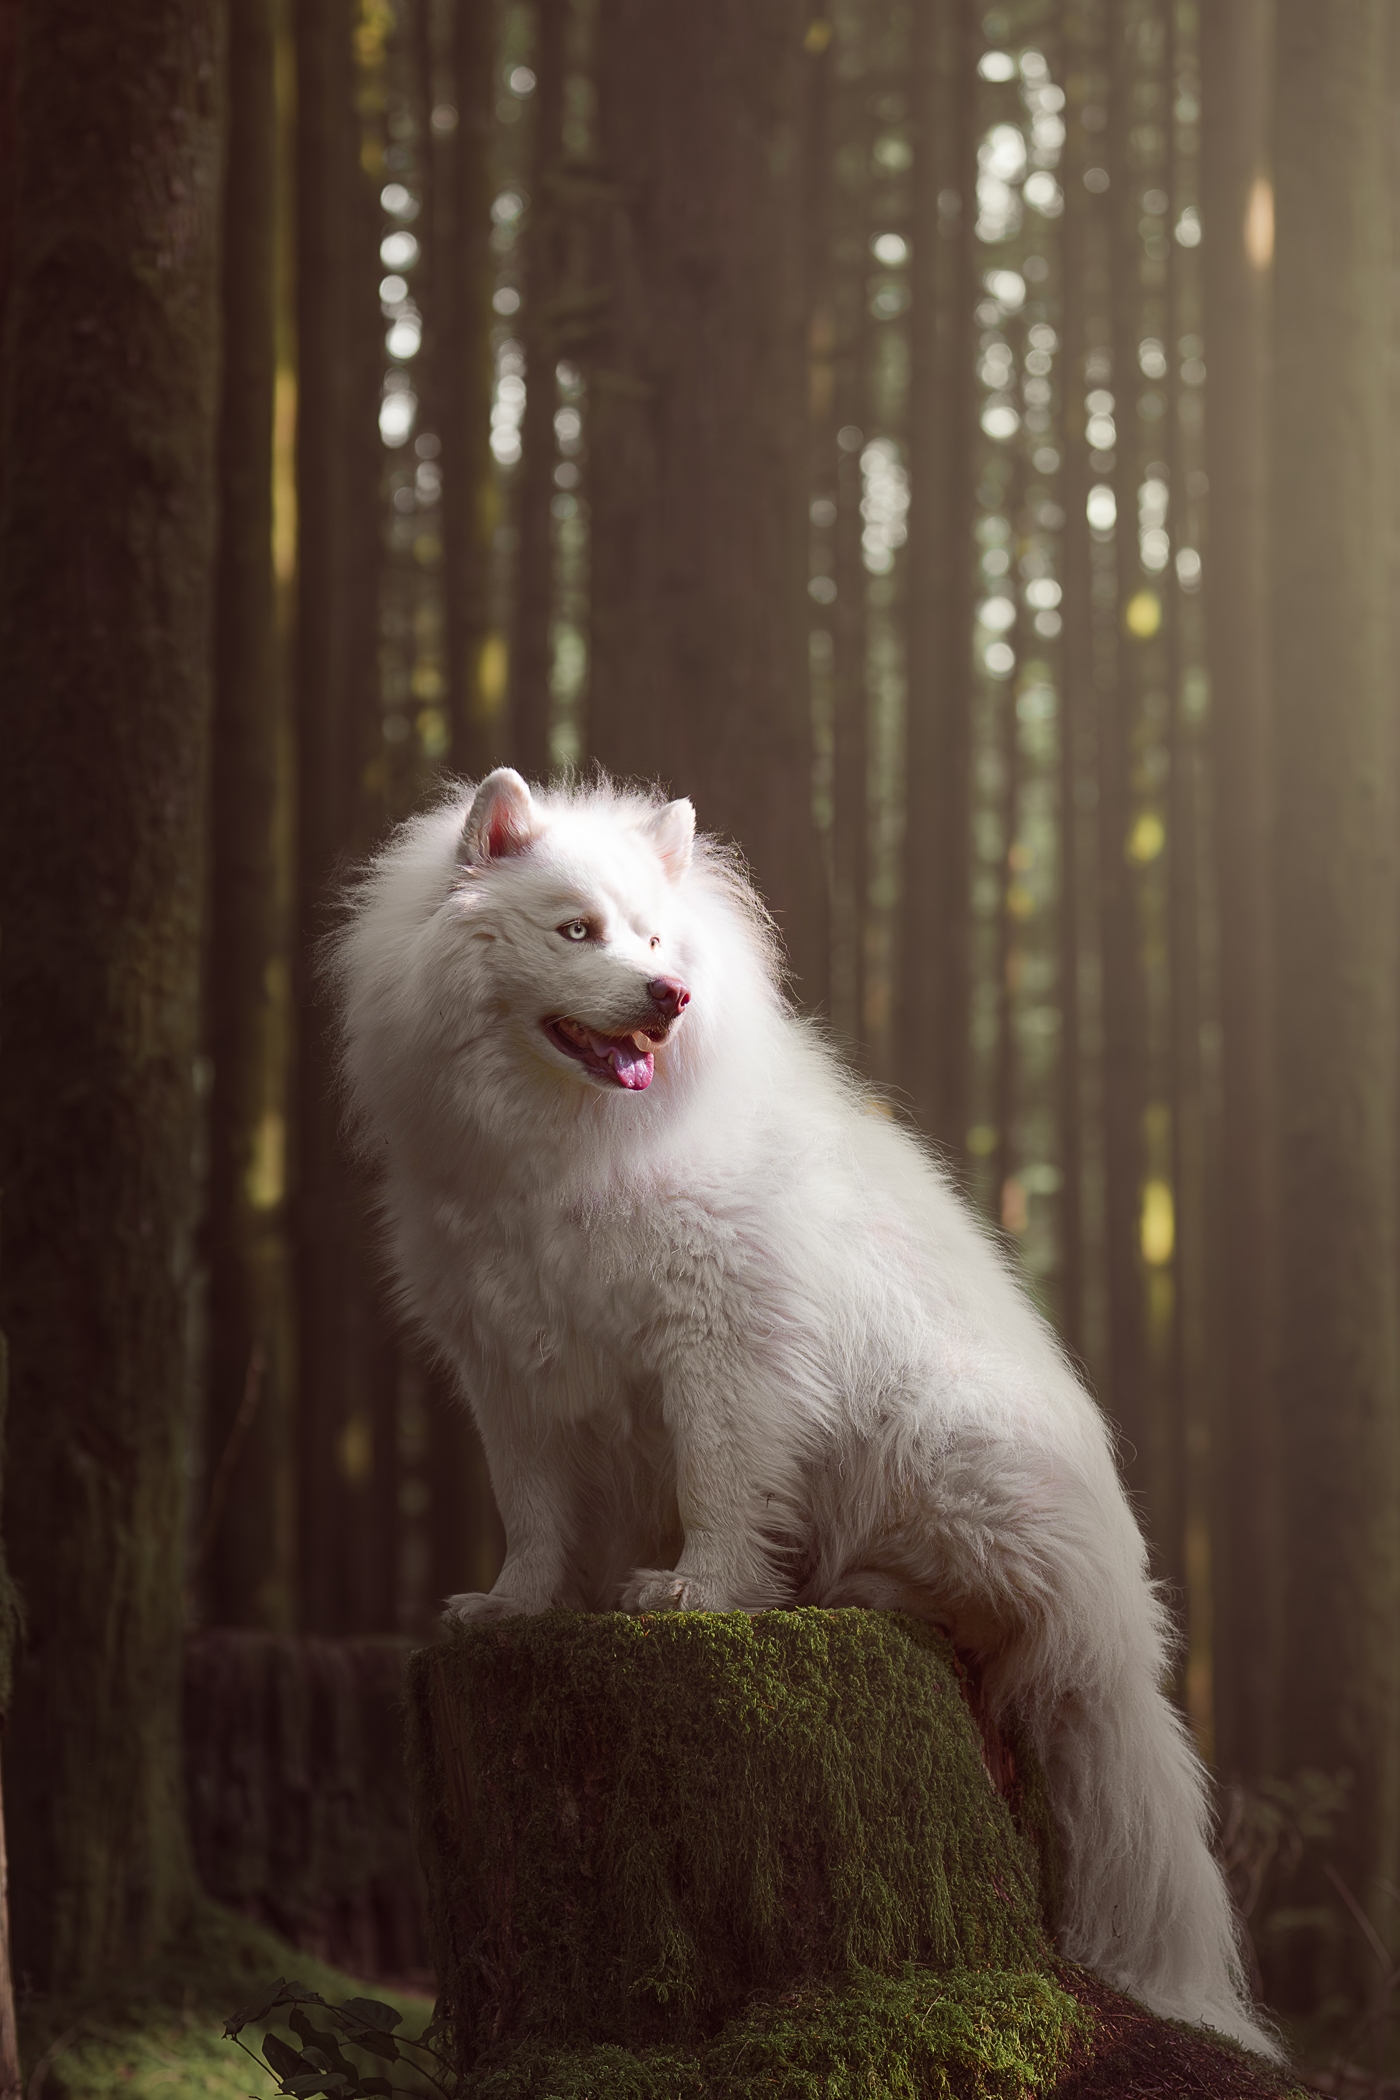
x=161 y=2036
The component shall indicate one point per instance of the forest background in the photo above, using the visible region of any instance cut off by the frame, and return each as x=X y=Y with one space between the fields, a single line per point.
x=951 y=442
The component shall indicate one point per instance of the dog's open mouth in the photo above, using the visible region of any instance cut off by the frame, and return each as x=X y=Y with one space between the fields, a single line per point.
x=618 y=1060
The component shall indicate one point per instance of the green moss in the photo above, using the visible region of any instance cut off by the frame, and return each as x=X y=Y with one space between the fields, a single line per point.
x=630 y=1826
x=159 y=2034
x=992 y=2036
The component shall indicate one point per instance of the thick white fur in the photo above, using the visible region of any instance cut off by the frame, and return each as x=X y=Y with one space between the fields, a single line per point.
x=734 y=1341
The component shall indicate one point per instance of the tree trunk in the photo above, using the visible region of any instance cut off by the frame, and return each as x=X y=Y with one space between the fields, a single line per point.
x=1186 y=1552
x=531 y=655
x=347 y=1363
x=1121 y=928
x=1076 y=695
x=9 y=122
x=10 y=2079
x=105 y=630
x=247 y=1570
x=699 y=669
x=935 y=933
x=464 y=278
x=851 y=405
x=1246 y=1572
x=1334 y=1020
x=11 y=2075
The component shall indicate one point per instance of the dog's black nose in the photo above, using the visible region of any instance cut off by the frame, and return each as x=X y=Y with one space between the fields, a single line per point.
x=668 y=995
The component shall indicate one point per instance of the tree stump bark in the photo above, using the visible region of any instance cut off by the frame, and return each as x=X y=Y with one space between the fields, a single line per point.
x=632 y=1827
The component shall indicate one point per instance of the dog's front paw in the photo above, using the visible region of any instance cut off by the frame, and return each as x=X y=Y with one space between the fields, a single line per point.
x=665 y=1589
x=474 y=1605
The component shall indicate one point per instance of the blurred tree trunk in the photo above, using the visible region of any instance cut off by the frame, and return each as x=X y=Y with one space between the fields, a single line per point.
x=246 y=1530
x=1334 y=1021
x=11 y=2076
x=105 y=629
x=347 y=1366
x=531 y=653
x=936 y=981
x=9 y=117
x=299 y=1816
x=1189 y=1388
x=464 y=277
x=698 y=390
x=1125 y=1080
x=1245 y=1565
x=462 y=1525
x=10 y=2081
x=851 y=407
x=1076 y=711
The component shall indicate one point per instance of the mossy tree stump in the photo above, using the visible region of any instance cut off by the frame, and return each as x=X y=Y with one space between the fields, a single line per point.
x=710 y=1855
x=632 y=1826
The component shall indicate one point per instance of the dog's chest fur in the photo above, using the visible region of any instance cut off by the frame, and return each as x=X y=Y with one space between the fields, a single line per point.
x=582 y=1302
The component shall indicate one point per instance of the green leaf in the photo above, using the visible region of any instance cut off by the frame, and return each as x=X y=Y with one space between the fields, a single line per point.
x=325 y=2043
x=381 y=2045
x=374 y=2013
x=281 y=1994
x=260 y=2009
x=285 y=2061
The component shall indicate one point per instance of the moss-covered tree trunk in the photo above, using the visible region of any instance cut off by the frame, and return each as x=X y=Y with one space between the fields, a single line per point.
x=698 y=434
x=1335 y=936
x=106 y=549
x=246 y=1531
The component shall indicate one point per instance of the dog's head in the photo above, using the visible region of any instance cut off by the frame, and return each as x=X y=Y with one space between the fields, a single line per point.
x=579 y=906
x=518 y=964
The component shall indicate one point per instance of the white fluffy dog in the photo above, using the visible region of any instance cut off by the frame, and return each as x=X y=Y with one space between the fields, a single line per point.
x=730 y=1337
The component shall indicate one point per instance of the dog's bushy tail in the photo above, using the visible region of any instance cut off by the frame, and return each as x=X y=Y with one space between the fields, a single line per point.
x=1147 y=1906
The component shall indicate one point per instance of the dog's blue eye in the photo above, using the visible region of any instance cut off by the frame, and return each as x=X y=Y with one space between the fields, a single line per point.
x=575 y=930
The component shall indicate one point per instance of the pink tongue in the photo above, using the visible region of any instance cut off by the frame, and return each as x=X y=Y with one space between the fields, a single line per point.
x=631 y=1067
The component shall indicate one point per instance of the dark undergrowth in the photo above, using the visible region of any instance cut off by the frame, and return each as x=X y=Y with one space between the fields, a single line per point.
x=161 y=2032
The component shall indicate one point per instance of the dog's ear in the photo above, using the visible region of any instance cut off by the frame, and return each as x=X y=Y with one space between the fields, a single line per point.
x=670 y=832
x=502 y=819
